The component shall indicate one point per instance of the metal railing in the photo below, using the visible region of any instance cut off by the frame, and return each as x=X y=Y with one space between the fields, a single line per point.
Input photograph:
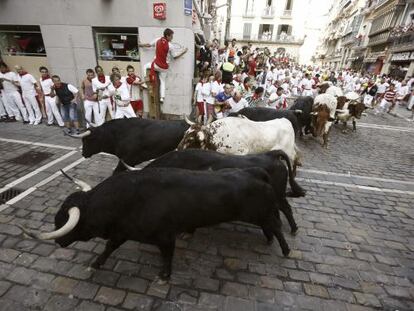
x=287 y=13
x=289 y=39
x=268 y=12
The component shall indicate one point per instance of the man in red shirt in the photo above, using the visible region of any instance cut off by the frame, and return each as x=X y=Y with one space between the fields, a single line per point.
x=163 y=49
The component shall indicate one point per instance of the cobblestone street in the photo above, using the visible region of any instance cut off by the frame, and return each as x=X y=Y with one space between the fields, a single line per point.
x=354 y=250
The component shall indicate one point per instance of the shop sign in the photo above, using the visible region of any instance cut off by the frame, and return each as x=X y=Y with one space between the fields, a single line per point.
x=160 y=10
x=405 y=56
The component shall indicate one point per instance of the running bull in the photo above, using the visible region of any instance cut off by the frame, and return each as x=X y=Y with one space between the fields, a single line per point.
x=241 y=136
x=271 y=162
x=154 y=205
x=303 y=108
x=134 y=140
x=349 y=107
x=267 y=114
x=323 y=113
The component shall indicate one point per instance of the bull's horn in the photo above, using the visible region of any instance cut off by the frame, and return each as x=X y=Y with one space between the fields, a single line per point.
x=364 y=114
x=314 y=113
x=84 y=186
x=74 y=215
x=84 y=134
x=91 y=123
x=298 y=111
x=341 y=110
x=188 y=121
x=128 y=167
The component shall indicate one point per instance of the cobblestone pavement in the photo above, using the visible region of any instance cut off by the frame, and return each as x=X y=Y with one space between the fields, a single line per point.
x=354 y=250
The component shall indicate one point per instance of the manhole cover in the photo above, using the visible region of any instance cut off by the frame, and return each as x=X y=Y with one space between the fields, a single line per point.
x=9 y=194
x=31 y=158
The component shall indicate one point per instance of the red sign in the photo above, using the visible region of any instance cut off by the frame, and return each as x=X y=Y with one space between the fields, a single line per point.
x=160 y=10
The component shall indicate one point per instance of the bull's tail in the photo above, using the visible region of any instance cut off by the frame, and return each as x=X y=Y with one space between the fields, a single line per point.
x=296 y=190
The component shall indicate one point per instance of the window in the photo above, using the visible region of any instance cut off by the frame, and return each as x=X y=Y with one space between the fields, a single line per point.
x=249 y=7
x=21 y=40
x=117 y=44
x=288 y=5
x=265 y=32
x=284 y=29
x=247 y=30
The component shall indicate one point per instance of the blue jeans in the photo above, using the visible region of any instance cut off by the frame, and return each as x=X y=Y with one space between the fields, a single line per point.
x=69 y=112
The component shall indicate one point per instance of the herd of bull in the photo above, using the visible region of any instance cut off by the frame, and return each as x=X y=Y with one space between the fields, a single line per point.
x=234 y=169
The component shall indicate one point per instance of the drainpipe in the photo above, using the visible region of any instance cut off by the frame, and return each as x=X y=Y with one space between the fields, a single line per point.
x=227 y=35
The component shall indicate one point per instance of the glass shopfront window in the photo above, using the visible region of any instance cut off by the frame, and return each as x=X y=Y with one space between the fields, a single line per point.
x=117 y=44
x=21 y=41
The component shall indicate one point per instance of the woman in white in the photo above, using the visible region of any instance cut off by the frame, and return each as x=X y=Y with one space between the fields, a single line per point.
x=50 y=98
x=29 y=85
x=120 y=95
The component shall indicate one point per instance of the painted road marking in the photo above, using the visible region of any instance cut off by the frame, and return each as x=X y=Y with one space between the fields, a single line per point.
x=36 y=171
x=39 y=184
x=386 y=127
x=314 y=171
x=25 y=142
x=346 y=185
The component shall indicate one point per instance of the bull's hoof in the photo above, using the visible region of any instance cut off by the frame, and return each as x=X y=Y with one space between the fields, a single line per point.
x=294 y=231
x=286 y=252
x=185 y=236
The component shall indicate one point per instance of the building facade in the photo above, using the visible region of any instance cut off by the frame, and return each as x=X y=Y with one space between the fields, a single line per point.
x=70 y=36
x=268 y=23
x=375 y=36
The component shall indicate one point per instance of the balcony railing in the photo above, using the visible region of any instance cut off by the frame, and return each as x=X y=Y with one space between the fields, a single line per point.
x=287 y=39
x=287 y=14
x=249 y=14
x=268 y=12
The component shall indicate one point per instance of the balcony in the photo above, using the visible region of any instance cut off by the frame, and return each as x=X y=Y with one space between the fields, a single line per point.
x=249 y=14
x=402 y=37
x=378 y=38
x=268 y=12
x=287 y=14
x=349 y=38
x=271 y=38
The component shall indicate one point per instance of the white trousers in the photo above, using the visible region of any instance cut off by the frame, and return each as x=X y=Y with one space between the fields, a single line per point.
x=3 y=112
x=52 y=111
x=368 y=100
x=162 y=74
x=411 y=102
x=14 y=102
x=124 y=112
x=383 y=107
x=105 y=104
x=92 y=108
x=32 y=106
x=307 y=93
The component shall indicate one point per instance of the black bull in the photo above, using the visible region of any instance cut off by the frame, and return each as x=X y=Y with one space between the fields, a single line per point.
x=271 y=162
x=154 y=205
x=133 y=140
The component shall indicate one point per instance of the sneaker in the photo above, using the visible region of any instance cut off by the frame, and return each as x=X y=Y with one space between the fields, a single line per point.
x=31 y=122
x=144 y=86
x=66 y=130
x=3 y=119
x=161 y=99
x=37 y=122
x=11 y=119
x=26 y=122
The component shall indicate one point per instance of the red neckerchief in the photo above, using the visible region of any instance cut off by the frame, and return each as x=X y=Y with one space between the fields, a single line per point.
x=101 y=78
x=218 y=81
x=255 y=96
x=246 y=86
x=6 y=71
x=131 y=78
x=23 y=73
x=117 y=84
x=46 y=77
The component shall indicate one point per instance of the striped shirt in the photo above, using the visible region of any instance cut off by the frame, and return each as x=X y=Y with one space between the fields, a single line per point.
x=389 y=96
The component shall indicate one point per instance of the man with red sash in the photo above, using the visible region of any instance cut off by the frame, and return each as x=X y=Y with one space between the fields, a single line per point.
x=163 y=51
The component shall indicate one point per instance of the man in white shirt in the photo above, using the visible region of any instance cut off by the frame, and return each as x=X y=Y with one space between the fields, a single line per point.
x=237 y=102
x=100 y=85
x=209 y=98
x=49 y=98
x=67 y=95
x=120 y=95
x=11 y=96
x=306 y=85
x=29 y=86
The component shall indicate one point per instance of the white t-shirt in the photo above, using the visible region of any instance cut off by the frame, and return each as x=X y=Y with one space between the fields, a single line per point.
x=27 y=83
x=271 y=89
x=9 y=87
x=199 y=93
x=382 y=87
x=133 y=89
x=206 y=91
x=46 y=85
x=170 y=55
x=235 y=107
x=216 y=88
x=121 y=92
x=306 y=84
x=97 y=84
